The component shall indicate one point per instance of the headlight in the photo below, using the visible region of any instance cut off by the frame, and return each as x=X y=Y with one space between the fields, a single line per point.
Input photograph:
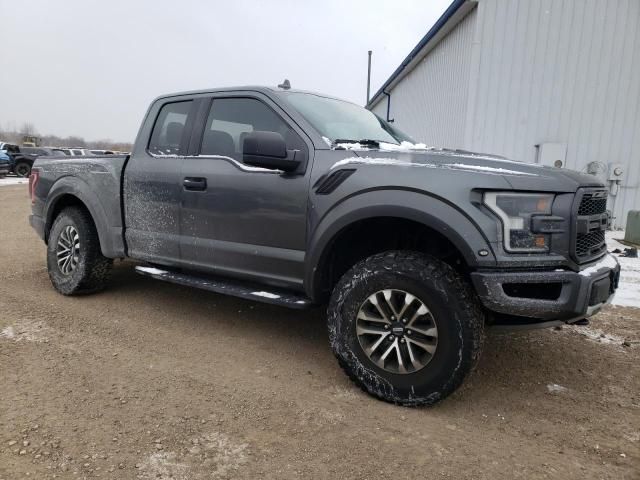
x=515 y=211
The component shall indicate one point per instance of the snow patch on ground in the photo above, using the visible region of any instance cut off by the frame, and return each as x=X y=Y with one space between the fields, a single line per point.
x=26 y=330
x=596 y=335
x=164 y=466
x=628 y=293
x=8 y=181
x=213 y=455
x=555 y=388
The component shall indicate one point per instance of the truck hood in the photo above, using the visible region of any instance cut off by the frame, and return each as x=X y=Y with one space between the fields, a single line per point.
x=520 y=175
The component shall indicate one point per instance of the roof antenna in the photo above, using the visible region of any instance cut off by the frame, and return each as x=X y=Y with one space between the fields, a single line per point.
x=285 y=85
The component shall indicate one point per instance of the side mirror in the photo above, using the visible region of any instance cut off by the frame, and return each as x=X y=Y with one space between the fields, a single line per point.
x=269 y=150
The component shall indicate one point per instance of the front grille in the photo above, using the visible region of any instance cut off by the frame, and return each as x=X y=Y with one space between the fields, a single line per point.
x=590 y=224
x=589 y=244
x=590 y=205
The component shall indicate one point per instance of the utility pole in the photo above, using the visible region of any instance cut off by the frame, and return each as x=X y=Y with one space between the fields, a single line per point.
x=369 y=77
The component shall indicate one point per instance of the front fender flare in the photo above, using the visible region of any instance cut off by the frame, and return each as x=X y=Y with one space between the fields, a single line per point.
x=428 y=210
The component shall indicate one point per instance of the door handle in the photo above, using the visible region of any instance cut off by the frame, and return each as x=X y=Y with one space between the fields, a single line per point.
x=196 y=184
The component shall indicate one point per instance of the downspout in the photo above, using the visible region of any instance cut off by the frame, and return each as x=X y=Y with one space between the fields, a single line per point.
x=390 y=120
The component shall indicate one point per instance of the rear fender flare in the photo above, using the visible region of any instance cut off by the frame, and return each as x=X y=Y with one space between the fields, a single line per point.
x=78 y=188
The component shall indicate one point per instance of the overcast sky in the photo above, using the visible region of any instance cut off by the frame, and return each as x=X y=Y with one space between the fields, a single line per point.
x=90 y=68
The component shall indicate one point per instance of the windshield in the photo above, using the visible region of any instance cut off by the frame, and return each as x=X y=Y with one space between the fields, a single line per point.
x=344 y=121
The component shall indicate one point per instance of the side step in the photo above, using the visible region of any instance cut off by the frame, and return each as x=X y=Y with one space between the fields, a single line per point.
x=226 y=286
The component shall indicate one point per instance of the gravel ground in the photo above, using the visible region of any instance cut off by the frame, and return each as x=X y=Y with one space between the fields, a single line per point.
x=154 y=381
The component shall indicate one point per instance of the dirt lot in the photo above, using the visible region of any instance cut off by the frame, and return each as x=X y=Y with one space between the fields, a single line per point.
x=150 y=380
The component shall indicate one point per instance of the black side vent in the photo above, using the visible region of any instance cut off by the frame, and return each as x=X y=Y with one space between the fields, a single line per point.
x=328 y=184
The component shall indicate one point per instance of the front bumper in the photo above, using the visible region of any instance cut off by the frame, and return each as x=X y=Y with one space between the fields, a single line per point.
x=550 y=295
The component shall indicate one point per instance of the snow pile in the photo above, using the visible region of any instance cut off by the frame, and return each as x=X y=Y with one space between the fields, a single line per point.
x=628 y=293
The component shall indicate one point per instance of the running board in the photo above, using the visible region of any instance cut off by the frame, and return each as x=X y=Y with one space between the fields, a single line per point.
x=225 y=286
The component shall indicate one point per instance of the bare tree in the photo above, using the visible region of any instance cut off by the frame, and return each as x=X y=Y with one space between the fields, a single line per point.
x=28 y=128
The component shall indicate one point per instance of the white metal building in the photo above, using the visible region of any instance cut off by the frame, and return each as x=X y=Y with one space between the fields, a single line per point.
x=548 y=81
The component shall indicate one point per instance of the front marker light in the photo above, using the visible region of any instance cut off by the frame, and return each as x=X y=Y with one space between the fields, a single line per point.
x=515 y=211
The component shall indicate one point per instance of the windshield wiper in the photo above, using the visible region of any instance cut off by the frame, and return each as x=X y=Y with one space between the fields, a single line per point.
x=365 y=141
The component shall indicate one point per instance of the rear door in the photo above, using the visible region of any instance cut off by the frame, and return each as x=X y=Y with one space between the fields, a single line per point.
x=152 y=186
x=235 y=219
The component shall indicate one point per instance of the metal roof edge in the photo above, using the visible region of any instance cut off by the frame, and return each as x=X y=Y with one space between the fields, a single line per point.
x=448 y=15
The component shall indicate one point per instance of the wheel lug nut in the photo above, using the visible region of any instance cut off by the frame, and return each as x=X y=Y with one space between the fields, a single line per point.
x=392 y=317
x=391 y=337
x=408 y=332
x=402 y=340
x=404 y=320
x=386 y=327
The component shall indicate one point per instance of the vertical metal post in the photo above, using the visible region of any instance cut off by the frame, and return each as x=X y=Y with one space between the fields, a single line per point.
x=369 y=78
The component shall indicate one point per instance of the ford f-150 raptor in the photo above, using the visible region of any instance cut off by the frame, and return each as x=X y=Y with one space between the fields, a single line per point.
x=297 y=198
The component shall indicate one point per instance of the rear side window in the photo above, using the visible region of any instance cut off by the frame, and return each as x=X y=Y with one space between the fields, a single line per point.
x=167 y=136
x=231 y=119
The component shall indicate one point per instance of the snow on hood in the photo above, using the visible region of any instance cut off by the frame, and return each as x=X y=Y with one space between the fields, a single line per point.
x=405 y=163
x=389 y=147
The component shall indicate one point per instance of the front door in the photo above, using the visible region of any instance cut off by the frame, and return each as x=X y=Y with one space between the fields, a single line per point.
x=152 y=186
x=239 y=220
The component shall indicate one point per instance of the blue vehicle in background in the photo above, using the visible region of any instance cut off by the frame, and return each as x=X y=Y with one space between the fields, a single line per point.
x=5 y=163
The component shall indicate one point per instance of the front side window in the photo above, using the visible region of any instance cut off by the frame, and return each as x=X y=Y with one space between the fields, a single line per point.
x=167 y=135
x=232 y=119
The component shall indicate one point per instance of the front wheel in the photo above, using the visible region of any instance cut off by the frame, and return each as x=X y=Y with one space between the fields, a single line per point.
x=74 y=260
x=405 y=327
x=22 y=169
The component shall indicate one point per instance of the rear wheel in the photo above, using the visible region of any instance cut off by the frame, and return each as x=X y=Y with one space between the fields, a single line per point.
x=22 y=169
x=405 y=327
x=74 y=260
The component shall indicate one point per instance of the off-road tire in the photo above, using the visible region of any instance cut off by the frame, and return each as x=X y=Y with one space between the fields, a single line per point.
x=92 y=270
x=453 y=305
x=22 y=169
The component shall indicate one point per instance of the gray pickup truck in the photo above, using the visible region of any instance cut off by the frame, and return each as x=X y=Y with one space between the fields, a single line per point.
x=300 y=199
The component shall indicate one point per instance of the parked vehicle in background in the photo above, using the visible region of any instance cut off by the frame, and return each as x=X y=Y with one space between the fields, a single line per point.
x=21 y=162
x=25 y=156
x=42 y=151
x=295 y=198
x=5 y=163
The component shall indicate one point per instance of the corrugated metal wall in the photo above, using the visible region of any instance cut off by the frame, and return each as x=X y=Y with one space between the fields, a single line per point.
x=432 y=101
x=565 y=71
